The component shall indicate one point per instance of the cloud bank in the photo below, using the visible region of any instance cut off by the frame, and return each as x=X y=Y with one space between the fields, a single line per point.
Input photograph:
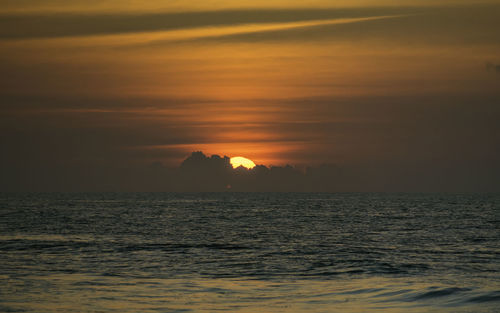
x=199 y=172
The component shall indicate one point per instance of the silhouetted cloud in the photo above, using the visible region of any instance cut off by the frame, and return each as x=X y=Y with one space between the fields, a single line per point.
x=199 y=172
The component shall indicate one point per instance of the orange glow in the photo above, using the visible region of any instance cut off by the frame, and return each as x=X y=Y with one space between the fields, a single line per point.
x=241 y=161
x=289 y=87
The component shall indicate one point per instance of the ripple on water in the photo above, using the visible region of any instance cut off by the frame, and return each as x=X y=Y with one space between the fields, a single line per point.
x=250 y=252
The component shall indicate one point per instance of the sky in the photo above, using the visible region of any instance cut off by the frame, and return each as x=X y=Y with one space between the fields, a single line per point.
x=114 y=95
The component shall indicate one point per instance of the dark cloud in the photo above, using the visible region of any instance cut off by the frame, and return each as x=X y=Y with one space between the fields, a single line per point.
x=199 y=172
x=490 y=67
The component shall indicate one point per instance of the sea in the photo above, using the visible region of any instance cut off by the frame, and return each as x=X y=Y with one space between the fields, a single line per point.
x=249 y=252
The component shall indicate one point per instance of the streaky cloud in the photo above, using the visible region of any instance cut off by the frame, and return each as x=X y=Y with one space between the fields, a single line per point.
x=30 y=26
x=247 y=32
x=478 y=25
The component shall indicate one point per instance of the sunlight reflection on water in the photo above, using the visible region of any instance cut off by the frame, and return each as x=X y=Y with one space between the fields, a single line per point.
x=74 y=292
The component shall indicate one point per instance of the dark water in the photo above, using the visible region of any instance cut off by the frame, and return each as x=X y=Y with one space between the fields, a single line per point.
x=265 y=252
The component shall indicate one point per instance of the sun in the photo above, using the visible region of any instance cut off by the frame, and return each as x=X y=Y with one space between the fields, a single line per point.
x=241 y=161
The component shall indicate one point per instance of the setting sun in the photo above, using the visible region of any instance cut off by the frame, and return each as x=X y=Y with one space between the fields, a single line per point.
x=241 y=161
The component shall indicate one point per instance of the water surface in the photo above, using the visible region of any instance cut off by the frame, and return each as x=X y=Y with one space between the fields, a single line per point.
x=248 y=252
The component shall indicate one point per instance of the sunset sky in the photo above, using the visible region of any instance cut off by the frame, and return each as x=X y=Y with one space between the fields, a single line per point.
x=95 y=93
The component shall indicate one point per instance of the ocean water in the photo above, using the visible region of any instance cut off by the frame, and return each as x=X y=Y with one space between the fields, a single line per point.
x=249 y=252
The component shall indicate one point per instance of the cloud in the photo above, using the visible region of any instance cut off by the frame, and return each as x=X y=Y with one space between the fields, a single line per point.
x=386 y=143
x=490 y=67
x=478 y=25
x=29 y=26
x=89 y=118
x=274 y=32
x=199 y=172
